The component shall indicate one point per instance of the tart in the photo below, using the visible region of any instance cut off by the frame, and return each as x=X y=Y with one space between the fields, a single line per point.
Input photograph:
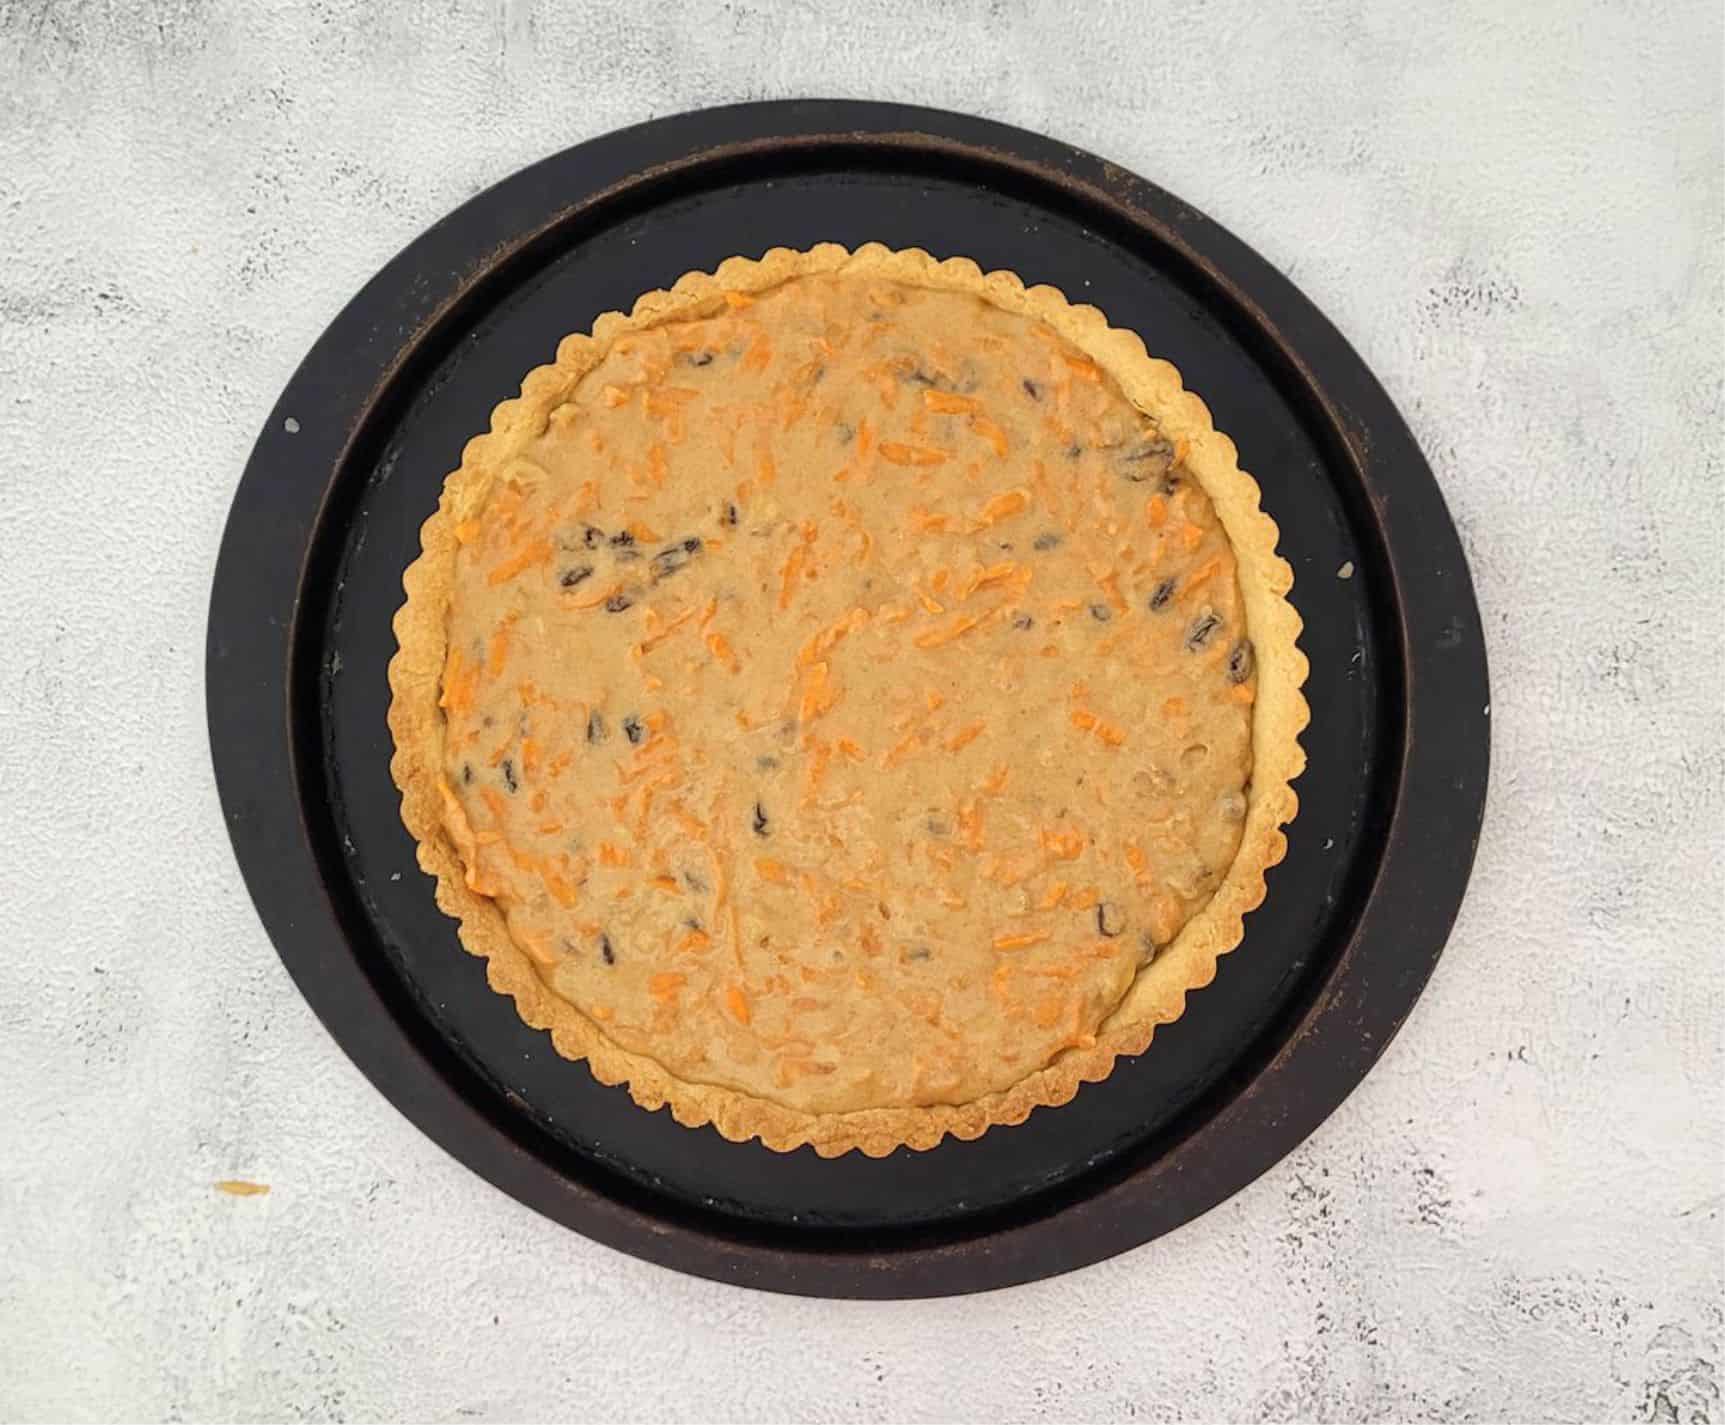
x=850 y=699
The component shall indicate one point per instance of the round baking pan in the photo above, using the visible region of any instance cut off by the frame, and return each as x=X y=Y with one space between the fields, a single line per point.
x=352 y=459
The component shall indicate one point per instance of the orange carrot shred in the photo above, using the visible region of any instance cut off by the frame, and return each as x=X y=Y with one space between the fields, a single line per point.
x=719 y=646
x=896 y=453
x=1003 y=506
x=948 y=403
x=665 y=984
x=498 y=653
x=935 y=637
x=1020 y=939
x=990 y=432
x=965 y=736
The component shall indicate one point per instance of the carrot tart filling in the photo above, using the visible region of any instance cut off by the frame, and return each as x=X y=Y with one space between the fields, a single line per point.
x=846 y=692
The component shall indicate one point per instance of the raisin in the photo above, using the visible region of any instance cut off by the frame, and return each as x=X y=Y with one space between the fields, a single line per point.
x=1160 y=596
x=1031 y=389
x=760 y=820
x=674 y=557
x=1074 y=450
x=617 y=603
x=1202 y=627
x=622 y=539
x=729 y=517
x=1110 y=919
x=1241 y=661
x=1024 y=621
x=633 y=730
x=606 y=953
x=1151 y=459
x=508 y=770
x=1101 y=612
x=573 y=576
x=467 y=774
x=698 y=885
x=595 y=726
x=592 y=536
x=1046 y=541
x=697 y=358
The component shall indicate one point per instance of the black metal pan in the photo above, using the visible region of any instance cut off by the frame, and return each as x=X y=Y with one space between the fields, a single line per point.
x=352 y=459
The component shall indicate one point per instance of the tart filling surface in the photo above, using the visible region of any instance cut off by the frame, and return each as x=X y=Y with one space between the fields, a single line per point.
x=851 y=699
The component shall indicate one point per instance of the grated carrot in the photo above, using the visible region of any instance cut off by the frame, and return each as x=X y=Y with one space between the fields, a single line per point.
x=719 y=646
x=970 y=825
x=992 y=433
x=983 y=576
x=1018 y=940
x=818 y=692
x=561 y=891
x=665 y=984
x=498 y=654
x=935 y=637
x=1062 y=843
x=759 y=354
x=947 y=403
x=896 y=453
x=1003 y=506
x=965 y=736
x=1204 y=571
x=457 y=695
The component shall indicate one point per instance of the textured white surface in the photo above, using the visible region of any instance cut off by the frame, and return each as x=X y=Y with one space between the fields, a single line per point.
x=1517 y=220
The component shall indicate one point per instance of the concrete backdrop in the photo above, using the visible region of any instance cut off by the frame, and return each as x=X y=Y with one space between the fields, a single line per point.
x=1516 y=218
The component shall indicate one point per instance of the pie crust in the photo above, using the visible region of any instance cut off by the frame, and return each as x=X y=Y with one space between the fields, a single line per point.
x=1152 y=994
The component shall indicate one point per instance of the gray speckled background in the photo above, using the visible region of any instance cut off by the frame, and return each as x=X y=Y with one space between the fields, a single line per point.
x=1518 y=222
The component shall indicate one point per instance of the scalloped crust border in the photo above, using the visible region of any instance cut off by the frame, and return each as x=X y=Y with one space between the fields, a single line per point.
x=1156 y=996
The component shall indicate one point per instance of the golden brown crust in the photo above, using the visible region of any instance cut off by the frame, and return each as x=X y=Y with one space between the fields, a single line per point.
x=1158 y=995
